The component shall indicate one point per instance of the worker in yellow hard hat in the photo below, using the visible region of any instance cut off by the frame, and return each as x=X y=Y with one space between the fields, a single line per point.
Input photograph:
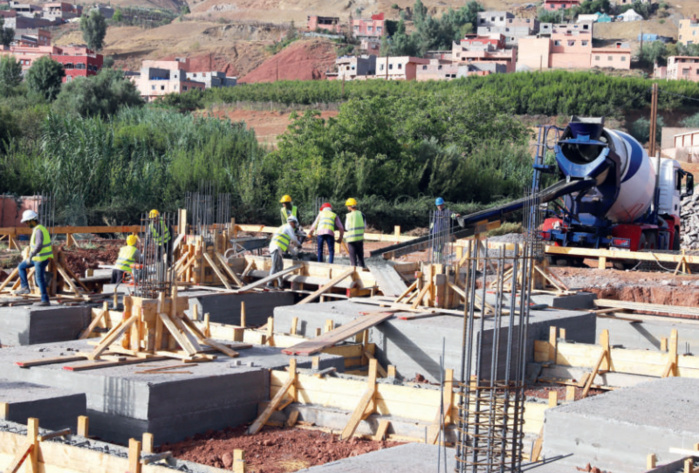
x=288 y=209
x=161 y=234
x=355 y=223
x=128 y=255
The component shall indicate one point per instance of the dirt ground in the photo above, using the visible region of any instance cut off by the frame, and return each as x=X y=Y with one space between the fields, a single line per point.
x=273 y=450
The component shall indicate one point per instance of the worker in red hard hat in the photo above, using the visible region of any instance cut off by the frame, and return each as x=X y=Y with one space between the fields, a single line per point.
x=326 y=223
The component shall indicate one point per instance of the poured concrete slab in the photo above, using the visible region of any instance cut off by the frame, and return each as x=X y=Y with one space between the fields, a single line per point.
x=408 y=458
x=649 y=330
x=124 y=402
x=415 y=346
x=225 y=308
x=617 y=430
x=29 y=325
x=55 y=408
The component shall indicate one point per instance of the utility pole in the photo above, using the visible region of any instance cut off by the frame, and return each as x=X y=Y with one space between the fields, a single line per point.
x=653 y=119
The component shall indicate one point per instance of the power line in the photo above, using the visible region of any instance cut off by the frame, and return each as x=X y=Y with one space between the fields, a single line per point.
x=678 y=95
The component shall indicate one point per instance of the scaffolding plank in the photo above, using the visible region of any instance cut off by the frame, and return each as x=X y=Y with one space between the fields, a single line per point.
x=337 y=335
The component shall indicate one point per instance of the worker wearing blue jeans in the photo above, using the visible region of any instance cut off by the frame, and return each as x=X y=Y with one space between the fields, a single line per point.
x=40 y=252
x=39 y=276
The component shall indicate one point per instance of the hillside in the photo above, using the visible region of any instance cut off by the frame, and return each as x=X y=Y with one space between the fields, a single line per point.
x=302 y=60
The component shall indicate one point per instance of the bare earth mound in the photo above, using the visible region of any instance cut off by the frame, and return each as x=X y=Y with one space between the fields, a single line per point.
x=302 y=60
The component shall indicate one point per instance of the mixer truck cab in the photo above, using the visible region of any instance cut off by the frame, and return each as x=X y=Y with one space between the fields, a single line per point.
x=623 y=199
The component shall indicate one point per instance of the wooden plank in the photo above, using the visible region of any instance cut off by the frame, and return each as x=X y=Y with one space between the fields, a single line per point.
x=111 y=337
x=207 y=341
x=645 y=307
x=181 y=338
x=238 y=461
x=611 y=254
x=33 y=438
x=83 y=426
x=381 y=430
x=263 y=281
x=19 y=458
x=332 y=337
x=293 y=417
x=218 y=272
x=11 y=277
x=360 y=412
x=96 y=364
x=327 y=287
x=410 y=289
x=134 y=456
x=229 y=270
x=50 y=361
x=95 y=322
x=276 y=400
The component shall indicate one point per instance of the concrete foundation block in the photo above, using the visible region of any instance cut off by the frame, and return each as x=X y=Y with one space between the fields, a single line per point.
x=579 y=301
x=225 y=308
x=55 y=408
x=29 y=325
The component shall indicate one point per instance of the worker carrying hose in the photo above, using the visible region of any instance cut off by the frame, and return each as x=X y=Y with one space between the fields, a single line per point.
x=128 y=255
x=283 y=241
x=161 y=234
x=288 y=209
x=327 y=222
x=40 y=253
x=355 y=223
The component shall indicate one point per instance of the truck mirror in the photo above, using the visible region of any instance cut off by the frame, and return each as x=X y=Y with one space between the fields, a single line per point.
x=688 y=185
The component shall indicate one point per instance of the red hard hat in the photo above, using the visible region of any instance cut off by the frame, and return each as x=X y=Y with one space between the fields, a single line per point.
x=326 y=206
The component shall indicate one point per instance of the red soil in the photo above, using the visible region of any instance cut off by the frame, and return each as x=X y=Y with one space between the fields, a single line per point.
x=208 y=62
x=273 y=450
x=302 y=60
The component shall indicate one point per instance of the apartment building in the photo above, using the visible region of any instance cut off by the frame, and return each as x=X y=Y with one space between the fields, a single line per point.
x=78 y=61
x=398 y=67
x=504 y=23
x=688 y=31
x=352 y=67
x=683 y=68
x=482 y=49
x=328 y=23
x=374 y=27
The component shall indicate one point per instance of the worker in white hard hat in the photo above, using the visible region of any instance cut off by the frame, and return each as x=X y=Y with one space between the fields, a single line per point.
x=128 y=255
x=284 y=240
x=40 y=252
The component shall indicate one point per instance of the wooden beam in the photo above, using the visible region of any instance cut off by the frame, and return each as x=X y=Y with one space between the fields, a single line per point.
x=33 y=438
x=276 y=400
x=327 y=287
x=645 y=307
x=134 y=456
x=19 y=458
x=263 y=281
x=364 y=407
x=111 y=337
x=229 y=271
x=83 y=426
x=238 y=461
x=95 y=321
x=381 y=430
x=218 y=272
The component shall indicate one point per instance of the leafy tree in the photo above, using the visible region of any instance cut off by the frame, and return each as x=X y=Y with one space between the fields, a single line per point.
x=652 y=52
x=7 y=35
x=45 y=77
x=551 y=16
x=118 y=16
x=10 y=71
x=101 y=95
x=640 y=129
x=94 y=28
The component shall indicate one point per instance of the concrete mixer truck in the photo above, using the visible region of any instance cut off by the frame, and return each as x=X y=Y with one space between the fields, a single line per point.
x=610 y=195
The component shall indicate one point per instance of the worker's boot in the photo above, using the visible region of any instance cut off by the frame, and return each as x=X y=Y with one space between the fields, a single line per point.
x=22 y=290
x=42 y=304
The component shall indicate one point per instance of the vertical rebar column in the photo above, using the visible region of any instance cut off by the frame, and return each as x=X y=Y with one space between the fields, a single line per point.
x=155 y=274
x=441 y=226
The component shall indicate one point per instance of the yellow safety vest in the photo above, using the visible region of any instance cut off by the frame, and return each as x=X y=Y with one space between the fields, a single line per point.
x=125 y=258
x=162 y=237
x=327 y=220
x=285 y=213
x=45 y=252
x=355 y=227
x=282 y=240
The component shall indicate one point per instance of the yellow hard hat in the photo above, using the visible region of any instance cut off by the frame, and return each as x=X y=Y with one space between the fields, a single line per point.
x=285 y=199
x=153 y=214
x=131 y=240
x=351 y=202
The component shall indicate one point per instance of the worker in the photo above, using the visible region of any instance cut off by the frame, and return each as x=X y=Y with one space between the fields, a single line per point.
x=288 y=209
x=128 y=255
x=326 y=223
x=355 y=224
x=283 y=241
x=440 y=226
x=161 y=234
x=40 y=253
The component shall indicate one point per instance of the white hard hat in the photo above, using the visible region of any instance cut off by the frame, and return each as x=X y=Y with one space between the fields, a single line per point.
x=29 y=215
x=291 y=218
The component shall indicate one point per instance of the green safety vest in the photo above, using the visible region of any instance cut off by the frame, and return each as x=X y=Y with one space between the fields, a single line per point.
x=125 y=258
x=45 y=252
x=327 y=220
x=355 y=227
x=162 y=237
x=282 y=240
x=285 y=213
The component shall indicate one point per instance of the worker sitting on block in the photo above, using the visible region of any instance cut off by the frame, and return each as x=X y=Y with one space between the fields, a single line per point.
x=288 y=209
x=39 y=255
x=284 y=240
x=128 y=255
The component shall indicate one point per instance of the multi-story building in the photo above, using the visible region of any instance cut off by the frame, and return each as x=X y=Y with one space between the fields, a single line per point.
x=398 y=67
x=352 y=67
x=616 y=57
x=683 y=68
x=689 y=31
x=375 y=27
x=78 y=61
x=505 y=23
x=328 y=23
x=158 y=78
x=61 y=10
x=437 y=69
x=32 y=37
x=484 y=49
x=560 y=4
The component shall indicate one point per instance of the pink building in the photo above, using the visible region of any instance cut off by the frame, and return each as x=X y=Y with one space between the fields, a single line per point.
x=398 y=67
x=371 y=28
x=618 y=57
x=571 y=46
x=370 y=46
x=437 y=69
x=26 y=55
x=560 y=4
x=329 y=23
x=683 y=68
x=482 y=49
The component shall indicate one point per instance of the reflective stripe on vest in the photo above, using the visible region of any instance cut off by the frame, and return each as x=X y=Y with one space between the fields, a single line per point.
x=45 y=252
x=285 y=213
x=282 y=240
x=125 y=258
x=355 y=227
x=163 y=237
x=327 y=220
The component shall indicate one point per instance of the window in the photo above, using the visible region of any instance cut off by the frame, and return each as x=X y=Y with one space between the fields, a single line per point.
x=584 y=43
x=370 y=29
x=610 y=58
x=571 y=42
x=162 y=87
x=557 y=43
x=596 y=58
x=152 y=87
x=400 y=66
x=623 y=58
x=353 y=67
x=390 y=66
x=379 y=29
x=424 y=68
x=439 y=67
x=381 y=68
x=685 y=72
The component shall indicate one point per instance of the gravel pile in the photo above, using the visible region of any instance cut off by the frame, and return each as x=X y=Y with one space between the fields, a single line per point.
x=690 y=222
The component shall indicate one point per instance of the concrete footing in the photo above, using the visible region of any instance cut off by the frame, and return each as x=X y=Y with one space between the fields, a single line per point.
x=225 y=308
x=577 y=301
x=617 y=430
x=415 y=346
x=124 y=401
x=647 y=333
x=29 y=325
x=55 y=408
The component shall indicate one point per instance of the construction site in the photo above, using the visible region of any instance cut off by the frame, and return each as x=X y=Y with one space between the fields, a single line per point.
x=567 y=347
